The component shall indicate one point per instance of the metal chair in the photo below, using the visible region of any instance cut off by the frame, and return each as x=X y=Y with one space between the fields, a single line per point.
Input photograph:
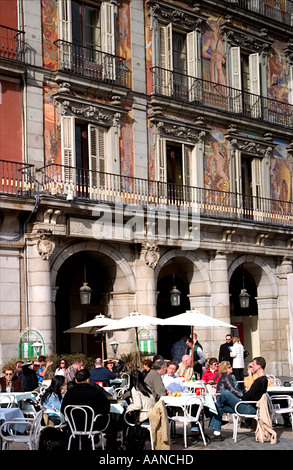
x=81 y=420
x=275 y=408
x=277 y=382
x=126 y=377
x=10 y=431
x=188 y=418
x=119 y=391
x=237 y=418
x=7 y=401
x=143 y=425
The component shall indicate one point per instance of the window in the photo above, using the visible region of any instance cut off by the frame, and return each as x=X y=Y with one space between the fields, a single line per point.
x=245 y=77
x=176 y=169
x=179 y=62
x=87 y=39
x=87 y=156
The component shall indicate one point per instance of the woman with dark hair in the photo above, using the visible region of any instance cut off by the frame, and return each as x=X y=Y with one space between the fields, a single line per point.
x=62 y=367
x=52 y=398
x=142 y=397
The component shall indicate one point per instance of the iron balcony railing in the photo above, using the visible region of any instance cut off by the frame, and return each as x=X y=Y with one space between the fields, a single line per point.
x=91 y=63
x=278 y=11
x=11 y=43
x=186 y=88
x=80 y=183
x=17 y=178
x=20 y=179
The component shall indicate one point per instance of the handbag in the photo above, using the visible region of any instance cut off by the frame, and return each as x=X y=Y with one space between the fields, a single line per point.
x=245 y=353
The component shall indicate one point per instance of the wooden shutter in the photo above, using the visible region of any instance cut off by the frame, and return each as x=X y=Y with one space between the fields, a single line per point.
x=96 y=157
x=236 y=80
x=108 y=40
x=193 y=65
x=254 y=85
x=290 y=85
x=68 y=149
x=65 y=33
x=166 y=61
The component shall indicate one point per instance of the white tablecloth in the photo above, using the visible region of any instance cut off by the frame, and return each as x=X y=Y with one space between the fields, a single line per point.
x=181 y=401
x=281 y=390
x=18 y=395
x=118 y=407
x=9 y=414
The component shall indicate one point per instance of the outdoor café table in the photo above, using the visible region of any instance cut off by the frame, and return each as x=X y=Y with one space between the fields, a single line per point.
x=118 y=382
x=9 y=414
x=18 y=396
x=280 y=390
x=181 y=401
x=118 y=408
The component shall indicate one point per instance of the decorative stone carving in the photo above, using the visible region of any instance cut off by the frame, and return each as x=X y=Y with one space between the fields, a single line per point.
x=45 y=244
x=227 y=235
x=260 y=239
x=187 y=132
x=151 y=255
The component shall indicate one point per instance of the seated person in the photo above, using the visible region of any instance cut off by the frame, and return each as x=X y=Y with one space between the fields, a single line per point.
x=114 y=365
x=172 y=382
x=7 y=383
x=101 y=374
x=142 y=397
x=29 y=379
x=52 y=398
x=210 y=374
x=227 y=401
x=226 y=381
x=185 y=368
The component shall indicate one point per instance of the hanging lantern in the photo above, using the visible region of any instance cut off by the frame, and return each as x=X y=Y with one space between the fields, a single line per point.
x=244 y=298
x=175 y=297
x=85 y=293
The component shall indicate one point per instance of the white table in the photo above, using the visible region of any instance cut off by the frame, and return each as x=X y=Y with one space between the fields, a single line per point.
x=119 y=407
x=18 y=395
x=9 y=414
x=281 y=390
x=183 y=399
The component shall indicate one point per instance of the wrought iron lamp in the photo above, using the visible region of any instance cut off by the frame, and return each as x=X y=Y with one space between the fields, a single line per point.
x=174 y=292
x=85 y=292
x=244 y=296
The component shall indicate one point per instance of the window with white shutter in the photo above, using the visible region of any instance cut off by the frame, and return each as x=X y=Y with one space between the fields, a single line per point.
x=236 y=82
x=193 y=66
x=68 y=148
x=166 y=60
x=254 y=85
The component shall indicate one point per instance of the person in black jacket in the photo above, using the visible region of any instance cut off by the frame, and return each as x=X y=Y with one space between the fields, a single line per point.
x=227 y=401
x=29 y=378
x=224 y=351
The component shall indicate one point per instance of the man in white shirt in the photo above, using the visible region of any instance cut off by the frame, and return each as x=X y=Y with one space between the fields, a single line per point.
x=171 y=381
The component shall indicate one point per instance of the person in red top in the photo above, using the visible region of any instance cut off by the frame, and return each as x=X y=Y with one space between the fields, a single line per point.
x=209 y=375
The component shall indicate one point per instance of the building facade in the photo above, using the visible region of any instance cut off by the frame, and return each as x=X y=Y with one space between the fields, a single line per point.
x=146 y=144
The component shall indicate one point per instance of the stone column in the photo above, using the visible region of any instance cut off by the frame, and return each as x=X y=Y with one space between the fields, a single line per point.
x=220 y=292
x=40 y=301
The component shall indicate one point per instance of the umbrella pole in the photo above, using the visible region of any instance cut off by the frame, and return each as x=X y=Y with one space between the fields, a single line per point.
x=102 y=344
x=137 y=346
x=192 y=361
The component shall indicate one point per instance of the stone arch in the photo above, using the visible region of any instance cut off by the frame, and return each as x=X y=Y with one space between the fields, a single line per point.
x=113 y=254
x=201 y=268
x=263 y=266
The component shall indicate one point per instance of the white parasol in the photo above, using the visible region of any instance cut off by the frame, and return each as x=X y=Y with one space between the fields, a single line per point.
x=92 y=326
x=194 y=318
x=134 y=320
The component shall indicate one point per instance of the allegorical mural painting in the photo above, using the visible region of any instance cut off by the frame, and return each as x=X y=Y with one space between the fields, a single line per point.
x=216 y=168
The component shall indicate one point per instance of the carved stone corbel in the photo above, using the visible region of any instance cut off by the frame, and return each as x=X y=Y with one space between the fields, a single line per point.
x=260 y=239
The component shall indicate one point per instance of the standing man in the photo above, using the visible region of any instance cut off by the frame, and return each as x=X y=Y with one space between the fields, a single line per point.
x=198 y=356
x=224 y=351
x=71 y=371
x=178 y=349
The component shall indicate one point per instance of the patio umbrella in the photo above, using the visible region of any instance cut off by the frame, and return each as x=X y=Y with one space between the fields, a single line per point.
x=194 y=318
x=92 y=326
x=133 y=320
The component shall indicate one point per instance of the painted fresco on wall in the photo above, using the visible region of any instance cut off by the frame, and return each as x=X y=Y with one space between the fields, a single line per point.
x=280 y=173
x=50 y=33
x=213 y=59
x=216 y=168
x=51 y=128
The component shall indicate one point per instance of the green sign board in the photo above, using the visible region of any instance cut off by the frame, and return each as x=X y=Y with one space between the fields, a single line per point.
x=27 y=339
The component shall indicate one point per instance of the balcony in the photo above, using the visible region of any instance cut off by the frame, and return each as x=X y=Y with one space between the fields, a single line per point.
x=70 y=183
x=262 y=8
x=16 y=178
x=12 y=44
x=82 y=184
x=91 y=63
x=198 y=92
